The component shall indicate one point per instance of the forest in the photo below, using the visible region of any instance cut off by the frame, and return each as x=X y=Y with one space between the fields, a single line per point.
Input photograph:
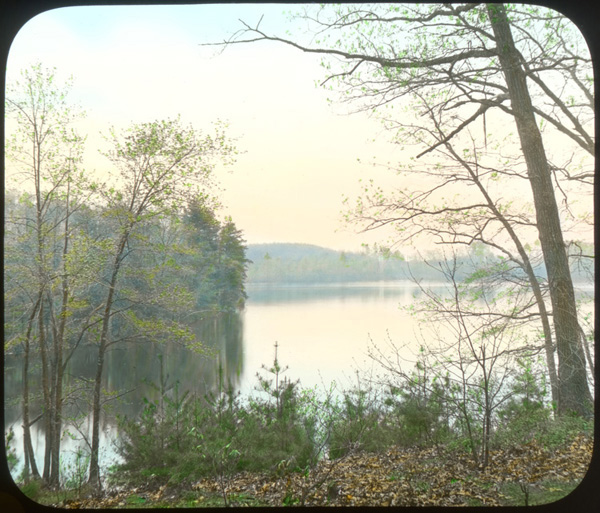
x=89 y=263
x=304 y=263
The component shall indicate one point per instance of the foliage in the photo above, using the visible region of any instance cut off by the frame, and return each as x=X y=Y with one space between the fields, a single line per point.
x=33 y=488
x=268 y=449
x=423 y=476
x=302 y=263
x=281 y=434
x=44 y=156
x=528 y=415
x=102 y=263
x=156 y=293
x=11 y=454
x=553 y=434
x=524 y=414
x=141 y=256
x=75 y=472
x=217 y=265
x=359 y=423
x=464 y=65
x=222 y=443
x=179 y=439
x=420 y=408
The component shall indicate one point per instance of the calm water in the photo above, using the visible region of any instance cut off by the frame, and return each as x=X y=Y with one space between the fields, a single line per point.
x=323 y=332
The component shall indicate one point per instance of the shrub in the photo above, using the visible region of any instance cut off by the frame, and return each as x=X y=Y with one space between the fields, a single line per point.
x=361 y=424
x=11 y=453
x=561 y=431
x=180 y=439
x=420 y=407
x=526 y=413
x=274 y=424
x=32 y=489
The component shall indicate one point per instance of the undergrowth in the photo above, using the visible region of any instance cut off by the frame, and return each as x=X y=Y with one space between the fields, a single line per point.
x=283 y=428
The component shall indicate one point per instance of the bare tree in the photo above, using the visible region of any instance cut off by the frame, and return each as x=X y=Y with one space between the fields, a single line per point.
x=471 y=63
x=473 y=358
x=482 y=218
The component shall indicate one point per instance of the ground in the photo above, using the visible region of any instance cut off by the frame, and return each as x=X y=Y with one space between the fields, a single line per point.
x=529 y=474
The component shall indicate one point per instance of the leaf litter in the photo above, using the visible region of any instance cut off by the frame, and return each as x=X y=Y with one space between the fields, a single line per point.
x=397 y=477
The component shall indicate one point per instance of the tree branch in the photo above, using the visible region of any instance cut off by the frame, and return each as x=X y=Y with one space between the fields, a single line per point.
x=382 y=61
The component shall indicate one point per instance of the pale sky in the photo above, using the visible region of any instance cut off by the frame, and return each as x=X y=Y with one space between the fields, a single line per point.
x=143 y=63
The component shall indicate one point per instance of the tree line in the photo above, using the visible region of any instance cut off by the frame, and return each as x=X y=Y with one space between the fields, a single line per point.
x=135 y=256
x=301 y=263
x=452 y=71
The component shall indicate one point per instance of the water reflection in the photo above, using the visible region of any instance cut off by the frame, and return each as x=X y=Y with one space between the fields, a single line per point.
x=133 y=372
x=323 y=331
x=267 y=293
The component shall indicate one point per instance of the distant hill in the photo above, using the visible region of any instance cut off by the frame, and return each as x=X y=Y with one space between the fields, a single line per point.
x=288 y=251
x=307 y=263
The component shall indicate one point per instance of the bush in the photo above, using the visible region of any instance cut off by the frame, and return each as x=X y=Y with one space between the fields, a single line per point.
x=527 y=416
x=523 y=417
x=275 y=425
x=560 y=432
x=362 y=424
x=32 y=489
x=180 y=439
x=11 y=453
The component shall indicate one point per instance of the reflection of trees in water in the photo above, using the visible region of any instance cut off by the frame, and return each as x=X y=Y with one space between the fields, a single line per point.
x=289 y=293
x=135 y=366
x=225 y=335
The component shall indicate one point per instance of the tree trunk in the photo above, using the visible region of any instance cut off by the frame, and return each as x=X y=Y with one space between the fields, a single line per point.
x=29 y=455
x=56 y=422
x=94 y=472
x=59 y=343
x=574 y=394
x=533 y=281
x=47 y=408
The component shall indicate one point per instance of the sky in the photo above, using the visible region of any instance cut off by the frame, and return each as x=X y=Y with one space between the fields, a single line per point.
x=299 y=153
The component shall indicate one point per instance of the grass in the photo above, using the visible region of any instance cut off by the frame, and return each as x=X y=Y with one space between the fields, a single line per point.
x=135 y=500
x=206 y=500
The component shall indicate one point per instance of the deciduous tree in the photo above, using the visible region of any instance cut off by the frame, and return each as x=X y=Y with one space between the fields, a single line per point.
x=45 y=152
x=161 y=165
x=464 y=67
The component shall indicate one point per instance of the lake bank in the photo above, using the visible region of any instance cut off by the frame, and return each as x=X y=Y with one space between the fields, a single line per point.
x=396 y=477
